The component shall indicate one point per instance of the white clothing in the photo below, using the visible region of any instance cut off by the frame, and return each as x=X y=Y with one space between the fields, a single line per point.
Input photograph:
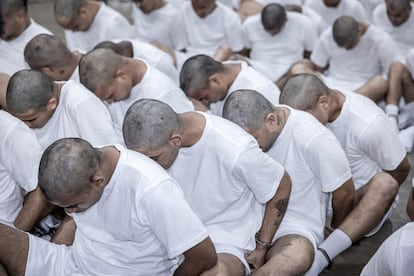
x=153 y=85
x=351 y=69
x=317 y=165
x=248 y=78
x=19 y=164
x=395 y=256
x=226 y=180
x=155 y=228
x=75 y=75
x=410 y=62
x=369 y=6
x=79 y=114
x=352 y=8
x=273 y=55
x=401 y=34
x=155 y=58
x=12 y=51
x=108 y=24
x=362 y=128
x=205 y=35
x=282 y=2
x=158 y=25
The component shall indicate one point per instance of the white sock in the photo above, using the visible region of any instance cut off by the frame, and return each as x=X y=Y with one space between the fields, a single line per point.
x=336 y=243
x=319 y=263
x=406 y=137
x=392 y=111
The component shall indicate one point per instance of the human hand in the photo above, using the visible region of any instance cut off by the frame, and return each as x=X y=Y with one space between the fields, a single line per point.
x=256 y=258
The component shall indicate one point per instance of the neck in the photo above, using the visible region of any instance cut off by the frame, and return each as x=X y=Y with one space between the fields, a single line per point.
x=108 y=158
x=94 y=7
x=282 y=115
x=192 y=126
x=337 y=102
x=137 y=69
x=231 y=71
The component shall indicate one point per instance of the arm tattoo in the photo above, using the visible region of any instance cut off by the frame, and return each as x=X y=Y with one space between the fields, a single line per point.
x=281 y=206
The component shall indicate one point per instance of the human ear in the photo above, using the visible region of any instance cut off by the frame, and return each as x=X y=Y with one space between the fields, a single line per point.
x=176 y=139
x=52 y=104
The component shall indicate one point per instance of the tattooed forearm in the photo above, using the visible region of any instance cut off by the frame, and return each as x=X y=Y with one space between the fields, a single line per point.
x=281 y=206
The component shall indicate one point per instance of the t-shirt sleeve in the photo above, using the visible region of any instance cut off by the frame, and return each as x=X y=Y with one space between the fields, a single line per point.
x=234 y=32
x=259 y=172
x=320 y=53
x=310 y=34
x=389 y=53
x=410 y=62
x=171 y=219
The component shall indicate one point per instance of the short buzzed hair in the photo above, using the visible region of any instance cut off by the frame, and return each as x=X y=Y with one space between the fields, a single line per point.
x=344 y=29
x=46 y=50
x=149 y=124
x=67 y=167
x=273 y=16
x=9 y=7
x=247 y=108
x=28 y=90
x=196 y=71
x=303 y=91
x=98 y=68
x=68 y=8
x=398 y=3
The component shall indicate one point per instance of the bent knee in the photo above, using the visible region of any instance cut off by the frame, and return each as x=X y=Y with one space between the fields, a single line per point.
x=385 y=185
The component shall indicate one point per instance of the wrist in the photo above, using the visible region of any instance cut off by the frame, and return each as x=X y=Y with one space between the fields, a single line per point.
x=262 y=244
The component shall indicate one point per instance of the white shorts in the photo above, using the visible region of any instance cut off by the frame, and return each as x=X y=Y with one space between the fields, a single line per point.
x=235 y=251
x=291 y=228
x=46 y=258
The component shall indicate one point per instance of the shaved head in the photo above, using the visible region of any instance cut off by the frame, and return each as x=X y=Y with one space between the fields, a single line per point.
x=68 y=8
x=273 y=16
x=344 y=30
x=123 y=48
x=148 y=124
x=10 y=7
x=67 y=167
x=303 y=91
x=247 y=108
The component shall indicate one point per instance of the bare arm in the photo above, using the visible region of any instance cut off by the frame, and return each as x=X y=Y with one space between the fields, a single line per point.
x=402 y=171
x=35 y=208
x=342 y=202
x=274 y=211
x=66 y=232
x=198 y=259
x=395 y=87
x=4 y=80
x=410 y=205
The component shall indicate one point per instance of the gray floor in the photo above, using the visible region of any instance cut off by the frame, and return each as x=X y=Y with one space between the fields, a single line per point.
x=348 y=263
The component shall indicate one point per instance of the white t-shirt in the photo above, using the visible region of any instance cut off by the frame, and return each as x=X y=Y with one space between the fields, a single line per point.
x=352 y=8
x=226 y=180
x=249 y=78
x=316 y=164
x=140 y=225
x=204 y=35
x=395 y=256
x=19 y=164
x=158 y=25
x=350 y=69
x=410 y=62
x=12 y=51
x=75 y=74
x=369 y=6
x=401 y=34
x=108 y=24
x=367 y=137
x=154 y=85
x=274 y=55
x=79 y=114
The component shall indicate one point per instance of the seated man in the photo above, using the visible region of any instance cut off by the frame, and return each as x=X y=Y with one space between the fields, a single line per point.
x=395 y=256
x=362 y=128
x=210 y=82
x=16 y=29
x=156 y=228
x=49 y=54
x=87 y=22
x=358 y=56
x=141 y=50
x=120 y=81
x=209 y=28
x=58 y=110
x=4 y=80
x=410 y=203
x=397 y=19
x=208 y=155
x=277 y=40
x=317 y=166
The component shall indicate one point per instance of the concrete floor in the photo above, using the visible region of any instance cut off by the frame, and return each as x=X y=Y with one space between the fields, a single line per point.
x=347 y=264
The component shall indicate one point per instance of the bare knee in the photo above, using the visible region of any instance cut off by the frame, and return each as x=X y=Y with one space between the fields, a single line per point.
x=384 y=185
x=303 y=66
x=227 y=265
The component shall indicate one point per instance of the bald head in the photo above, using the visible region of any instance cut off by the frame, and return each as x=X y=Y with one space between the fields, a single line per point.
x=302 y=91
x=68 y=8
x=46 y=50
x=123 y=48
x=148 y=124
x=273 y=17
x=196 y=71
x=67 y=167
x=10 y=7
x=98 y=68
x=247 y=108
x=28 y=90
x=345 y=30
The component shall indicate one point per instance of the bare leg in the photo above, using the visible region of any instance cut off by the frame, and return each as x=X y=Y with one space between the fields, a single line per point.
x=4 y=80
x=408 y=85
x=300 y=67
x=248 y=8
x=14 y=248
x=223 y=53
x=375 y=89
x=227 y=265
x=291 y=255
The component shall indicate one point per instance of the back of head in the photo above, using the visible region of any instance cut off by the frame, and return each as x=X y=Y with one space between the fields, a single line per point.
x=68 y=8
x=67 y=167
x=398 y=4
x=148 y=124
x=302 y=91
x=10 y=7
x=247 y=108
x=273 y=16
x=28 y=90
x=344 y=30
x=116 y=47
x=98 y=67
x=46 y=50
x=196 y=71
